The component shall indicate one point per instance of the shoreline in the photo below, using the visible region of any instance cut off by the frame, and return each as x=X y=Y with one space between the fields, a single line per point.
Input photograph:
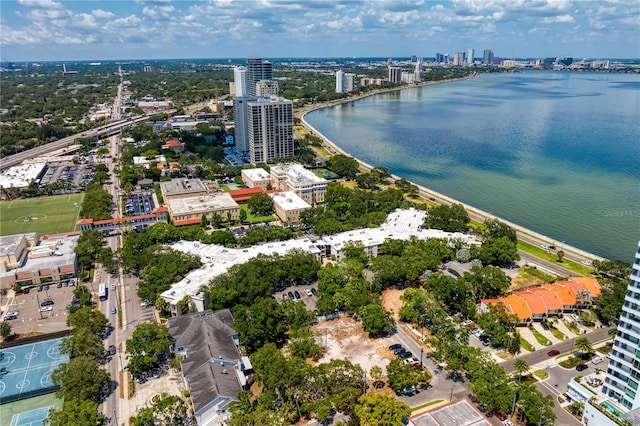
x=427 y=193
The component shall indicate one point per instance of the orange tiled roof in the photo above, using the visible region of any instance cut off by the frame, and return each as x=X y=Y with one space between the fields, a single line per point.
x=45 y=272
x=534 y=302
x=61 y=234
x=85 y=221
x=66 y=269
x=565 y=294
x=173 y=142
x=549 y=297
x=591 y=284
x=195 y=221
x=245 y=191
x=23 y=275
x=160 y=209
x=518 y=306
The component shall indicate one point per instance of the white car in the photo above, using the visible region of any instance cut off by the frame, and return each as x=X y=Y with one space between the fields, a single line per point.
x=411 y=361
x=46 y=309
x=597 y=360
x=308 y=292
x=509 y=423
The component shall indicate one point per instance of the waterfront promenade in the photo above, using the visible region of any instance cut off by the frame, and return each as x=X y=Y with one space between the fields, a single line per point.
x=526 y=235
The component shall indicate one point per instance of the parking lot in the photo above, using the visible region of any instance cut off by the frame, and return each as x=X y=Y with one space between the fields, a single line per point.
x=75 y=174
x=34 y=318
x=139 y=203
x=302 y=293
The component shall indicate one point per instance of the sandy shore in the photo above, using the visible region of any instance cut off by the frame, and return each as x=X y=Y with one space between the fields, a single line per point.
x=424 y=192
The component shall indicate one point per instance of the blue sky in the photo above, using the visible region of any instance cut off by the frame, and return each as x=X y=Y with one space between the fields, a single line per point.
x=141 y=29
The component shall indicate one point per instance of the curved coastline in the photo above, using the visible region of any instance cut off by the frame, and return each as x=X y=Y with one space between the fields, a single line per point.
x=429 y=193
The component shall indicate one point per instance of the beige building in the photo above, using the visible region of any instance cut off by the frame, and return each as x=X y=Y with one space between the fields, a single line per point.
x=288 y=207
x=189 y=210
x=300 y=181
x=26 y=263
x=256 y=178
x=184 y=187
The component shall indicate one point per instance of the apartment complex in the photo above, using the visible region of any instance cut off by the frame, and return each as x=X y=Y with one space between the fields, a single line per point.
x=345 y=82
x=302 y=182
x=270 y=129
x=257 y=70
x=623 y=374
x=256 y=178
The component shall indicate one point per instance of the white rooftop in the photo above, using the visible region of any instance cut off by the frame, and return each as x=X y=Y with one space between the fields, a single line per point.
x=289 y=201
x=9 y=243
x=21 y=176
x=139 y=160
x=297 y=173
x=256 y=174
x=201 y=203
x=399 y=225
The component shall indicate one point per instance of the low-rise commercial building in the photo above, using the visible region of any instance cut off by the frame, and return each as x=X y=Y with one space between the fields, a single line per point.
x=288 y=207
x=302 y=182
x=123 y=224
x=184 y=187
x=256 y=178
x=22 y=176
x=189 y=210
x=27 y=261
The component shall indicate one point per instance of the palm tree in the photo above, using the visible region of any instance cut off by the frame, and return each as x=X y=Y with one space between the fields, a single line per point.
x=577 y=407
x=584 y=345
x=520 y=366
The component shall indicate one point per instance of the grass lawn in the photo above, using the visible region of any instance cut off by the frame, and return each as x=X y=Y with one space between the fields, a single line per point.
x=526 y=345
x=551 y=257
x=49 y=215
x=557 y=333
x=255 y=219
x=541 y=374
x=539 y=337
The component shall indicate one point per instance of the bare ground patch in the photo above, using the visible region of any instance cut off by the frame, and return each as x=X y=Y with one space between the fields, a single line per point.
x=343 y=338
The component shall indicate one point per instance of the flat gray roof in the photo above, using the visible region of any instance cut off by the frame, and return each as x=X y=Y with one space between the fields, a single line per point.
x=201 y=203
x=9 y=243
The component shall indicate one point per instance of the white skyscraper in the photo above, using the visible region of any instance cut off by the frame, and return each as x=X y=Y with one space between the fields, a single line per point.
x=623 y=373
x=339 y=81
x=270 y=129
x=470 y=54
x=418 y=71
x=240 y=80
x=240 y=125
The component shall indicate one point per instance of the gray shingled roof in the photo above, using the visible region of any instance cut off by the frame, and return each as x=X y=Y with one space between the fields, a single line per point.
x=211 y=365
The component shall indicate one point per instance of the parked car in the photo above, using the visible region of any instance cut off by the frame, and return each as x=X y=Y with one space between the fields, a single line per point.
x=597 y=360
x=296 y=294
x=291 y=296
x=409 y=391
x=114 y=310
x=404 y=355
x=499 y=415
x=11 y=316
x=313 y=291
x=25 y=290
x=509 y=423
x=553 y=352
x=308 y=292
x=411 y=361
x=112 y=349
x=398 y=350
x=582 y=367
x=395 y=346
x=545 y=325
x=46 y=308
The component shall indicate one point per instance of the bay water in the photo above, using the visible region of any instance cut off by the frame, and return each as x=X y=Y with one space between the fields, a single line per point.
x=557 y=152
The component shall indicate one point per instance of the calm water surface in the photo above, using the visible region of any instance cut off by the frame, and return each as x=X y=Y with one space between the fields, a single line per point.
x=556 y=152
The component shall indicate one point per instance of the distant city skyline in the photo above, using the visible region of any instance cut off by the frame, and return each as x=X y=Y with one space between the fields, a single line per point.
x=48 y=30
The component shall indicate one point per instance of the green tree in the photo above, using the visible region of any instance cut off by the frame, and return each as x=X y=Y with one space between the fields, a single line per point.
x=260 y=204
x=381 y=410
x=583 y=344
x=452 y=218
x=166 y=410
x=82 y=293
x=560 y=254
x=76 y=412
x=83 y=342
x=494 y=228
x=498 y=251
x=88 y=318
x=243 y=216
x=80 y=378
x=343 y=166
x=260 y=323
x=520 y=366
x=376 y=321
x=149 y=344
x=5 y=330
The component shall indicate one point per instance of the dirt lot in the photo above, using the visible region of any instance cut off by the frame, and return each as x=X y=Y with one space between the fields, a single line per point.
x=344 y=338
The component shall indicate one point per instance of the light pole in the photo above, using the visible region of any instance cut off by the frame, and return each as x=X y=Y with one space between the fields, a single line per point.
x=452 y=388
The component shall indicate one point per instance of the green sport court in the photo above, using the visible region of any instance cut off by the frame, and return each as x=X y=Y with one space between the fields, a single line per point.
x=29 y=412
x=43 y=215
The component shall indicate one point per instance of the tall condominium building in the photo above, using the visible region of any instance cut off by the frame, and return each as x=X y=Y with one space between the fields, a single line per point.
x=241 y=124
x=267 y=88
x=417 y=74
x=339 y=81
x=458 y=58
x=240 y=81
x=270 y=129
x=395 y=75
x=487 y=57
x=345 y=82
x=470 y=54
x=257 y=70
x=439 y=57
x=623 y=374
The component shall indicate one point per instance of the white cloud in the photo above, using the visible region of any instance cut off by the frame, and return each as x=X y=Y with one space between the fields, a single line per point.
x=41 y=4
x=126 y=21
x=560 y=19
x=158 y=12
x=99 y=13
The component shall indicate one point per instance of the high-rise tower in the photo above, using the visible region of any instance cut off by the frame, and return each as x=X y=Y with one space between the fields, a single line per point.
x=339 y=81
x=240 y=80
x=257 y=70
x=270 y=129
x=623 y=373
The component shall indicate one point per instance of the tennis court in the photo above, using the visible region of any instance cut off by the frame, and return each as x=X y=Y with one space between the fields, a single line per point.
x=31 y=418
x=25 y=371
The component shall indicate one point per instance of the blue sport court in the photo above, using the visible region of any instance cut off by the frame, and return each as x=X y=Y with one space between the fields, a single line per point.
x=25 y=371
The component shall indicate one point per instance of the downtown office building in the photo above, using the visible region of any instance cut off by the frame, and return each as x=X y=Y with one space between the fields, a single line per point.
x=623 y=374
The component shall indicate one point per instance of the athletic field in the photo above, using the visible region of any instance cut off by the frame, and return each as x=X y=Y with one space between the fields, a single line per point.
x=44 y=215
